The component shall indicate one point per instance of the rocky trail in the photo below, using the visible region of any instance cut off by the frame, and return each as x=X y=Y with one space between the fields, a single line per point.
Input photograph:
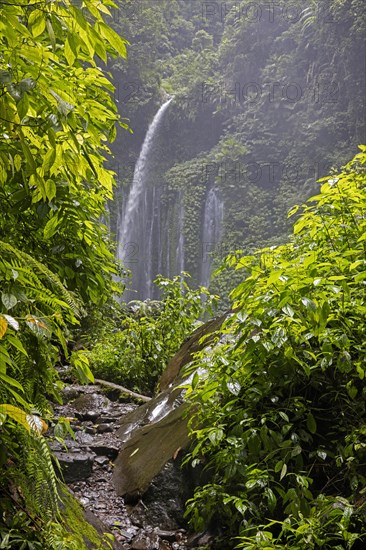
x=152 y=522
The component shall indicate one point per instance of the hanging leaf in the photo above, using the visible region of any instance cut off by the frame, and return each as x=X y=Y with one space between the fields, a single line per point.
x=12 y=322
x=283 y=471
x=37 y=326
x=36 y=423
x=9 y=300
x=234 y=387
x=311 y=423
x=309 y=304
x=51 y=227
x=50 y=189
x=16 y=414
x=113 y=38
x=3 y=326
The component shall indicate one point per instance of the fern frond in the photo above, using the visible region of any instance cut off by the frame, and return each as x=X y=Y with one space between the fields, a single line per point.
x=40 y=487
x=52 y=278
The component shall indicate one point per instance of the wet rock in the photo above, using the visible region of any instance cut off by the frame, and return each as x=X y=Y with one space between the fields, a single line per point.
x=128 y=534
x=163 y=502
x=87 y=415
x=90 y=430
x=170 y=536
x=143 y=456
x=84 y=438
x=200 y=539
x=110 y=419
x=104 y=428
x=75 y=466
x=105 y=449
x=146 y=541
x=90 y=406
x=69 y=393
x=101 y=460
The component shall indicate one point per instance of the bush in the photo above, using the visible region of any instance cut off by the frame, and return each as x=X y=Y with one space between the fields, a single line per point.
x=150 y=333
x=282 y=410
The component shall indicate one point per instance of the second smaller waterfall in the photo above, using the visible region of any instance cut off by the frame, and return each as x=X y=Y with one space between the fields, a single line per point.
x=211 y=232
x=180 y=238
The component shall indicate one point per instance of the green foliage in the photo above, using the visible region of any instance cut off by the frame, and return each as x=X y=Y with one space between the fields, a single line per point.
x=281 y=411
x=267 y=97
x=56 y=116
x=149 y=335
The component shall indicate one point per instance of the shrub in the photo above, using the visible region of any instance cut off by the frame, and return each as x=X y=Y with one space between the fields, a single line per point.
x=150 y=333
x=281 y=411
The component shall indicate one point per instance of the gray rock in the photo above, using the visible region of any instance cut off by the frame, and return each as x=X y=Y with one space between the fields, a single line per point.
x=105 y=449
x=69 y=393
x=90 y=406
x=87 y=415
x=146 y=541
x=169 y=536
x=75 y=466
x=143 y=456
x=101 y=460
x=84 y=438
x=104 y=428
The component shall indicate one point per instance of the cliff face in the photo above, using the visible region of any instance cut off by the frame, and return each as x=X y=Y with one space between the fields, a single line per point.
x=265 y=102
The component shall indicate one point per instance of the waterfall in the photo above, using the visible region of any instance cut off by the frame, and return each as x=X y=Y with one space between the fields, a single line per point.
x=179 y=256
x=211 y=232
x=140 y=219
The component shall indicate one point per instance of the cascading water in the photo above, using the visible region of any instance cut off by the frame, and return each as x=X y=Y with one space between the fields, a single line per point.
x=140 y=219
x=179 y=257
x=211 y=232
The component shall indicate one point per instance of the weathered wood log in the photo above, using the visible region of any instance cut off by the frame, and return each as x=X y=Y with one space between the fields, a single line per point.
x=122 y=389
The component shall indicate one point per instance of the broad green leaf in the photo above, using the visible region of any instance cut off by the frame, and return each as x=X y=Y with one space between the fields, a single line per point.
x=10 y=380
x=284 y=416
x=50 y=189
x=309 y=304
x=69 y=52
x=278 y=466
x=272 y=500
x=51 y=227
x=113 y=38
x=283 y=471
x=38 y=327
x=14 y=341
x=297 y=450
x=38 y=25
x=216 y=435
x=322 y=454
x=288 y=310
x=23 y=106
x=9 y=300
x=311 y=423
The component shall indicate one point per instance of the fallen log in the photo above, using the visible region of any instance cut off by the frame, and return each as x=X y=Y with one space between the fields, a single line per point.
x=122 y=389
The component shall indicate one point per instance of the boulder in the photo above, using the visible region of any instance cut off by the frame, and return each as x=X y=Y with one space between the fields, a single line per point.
x=198 y=340
x=143 y=456
x=75 y=466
